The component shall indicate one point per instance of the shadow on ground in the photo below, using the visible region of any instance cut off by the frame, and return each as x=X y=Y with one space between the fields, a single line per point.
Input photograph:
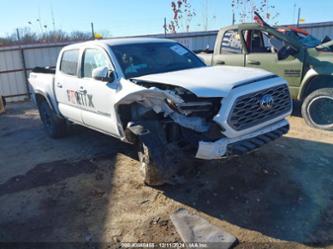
x=65 y=186
x=297 y=109
x=285 y=196
x=86 y=187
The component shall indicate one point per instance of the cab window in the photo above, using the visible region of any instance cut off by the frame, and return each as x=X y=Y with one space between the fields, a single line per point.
x=93 y=58
x=69 y=62
x=231 y=42
x=261 y=42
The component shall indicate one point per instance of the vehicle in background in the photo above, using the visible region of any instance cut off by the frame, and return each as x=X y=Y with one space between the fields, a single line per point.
x=304 y=61
x=160 y=96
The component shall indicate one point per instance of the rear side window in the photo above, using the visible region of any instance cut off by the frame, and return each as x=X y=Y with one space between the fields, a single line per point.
x=231 y=43
x=69 y=62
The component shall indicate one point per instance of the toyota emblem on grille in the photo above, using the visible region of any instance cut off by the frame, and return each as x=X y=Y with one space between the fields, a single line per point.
x=266 y=102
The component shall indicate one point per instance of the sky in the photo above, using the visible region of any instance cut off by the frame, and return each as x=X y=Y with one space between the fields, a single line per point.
x=135 y=17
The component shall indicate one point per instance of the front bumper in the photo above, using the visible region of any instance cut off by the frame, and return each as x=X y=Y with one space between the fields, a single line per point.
x=235 y=146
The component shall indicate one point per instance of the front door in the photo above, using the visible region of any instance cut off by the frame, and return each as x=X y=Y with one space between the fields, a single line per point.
x=261 y=54
x=100 y=96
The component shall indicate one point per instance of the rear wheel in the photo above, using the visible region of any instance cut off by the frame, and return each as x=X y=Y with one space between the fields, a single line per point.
x=317 y=109
x=3 y=101
x=53 y=125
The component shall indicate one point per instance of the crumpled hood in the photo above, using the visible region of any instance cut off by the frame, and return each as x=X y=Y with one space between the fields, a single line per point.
x=208 y=81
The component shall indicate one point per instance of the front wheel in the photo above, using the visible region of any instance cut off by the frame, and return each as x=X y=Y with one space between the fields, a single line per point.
x=317 y=109
x=3 y=101
x=148 y=167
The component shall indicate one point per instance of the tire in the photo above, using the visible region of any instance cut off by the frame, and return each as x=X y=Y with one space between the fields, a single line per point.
x=317 y=109
x=148 y=167
x=53 y=125
x=4 y=101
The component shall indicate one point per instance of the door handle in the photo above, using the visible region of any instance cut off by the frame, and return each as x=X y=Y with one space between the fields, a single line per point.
x=59 y=85
x=251 y=62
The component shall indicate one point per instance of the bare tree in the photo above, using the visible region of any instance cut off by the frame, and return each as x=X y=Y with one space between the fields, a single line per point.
x=183 y=14
x=79 y=36
x=29 y=37
x=57 y=36
x=243 y=10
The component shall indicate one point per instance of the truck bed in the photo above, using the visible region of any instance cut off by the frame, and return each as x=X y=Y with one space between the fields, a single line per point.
x=42 y=81
x=46 y=70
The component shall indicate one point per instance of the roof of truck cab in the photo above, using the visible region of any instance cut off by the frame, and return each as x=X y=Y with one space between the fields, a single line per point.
x=125 y=41
x=242 y=26
x=119 y=41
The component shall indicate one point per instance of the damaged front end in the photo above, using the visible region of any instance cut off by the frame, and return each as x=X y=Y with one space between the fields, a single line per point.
x=170 y=121
x=186 y=118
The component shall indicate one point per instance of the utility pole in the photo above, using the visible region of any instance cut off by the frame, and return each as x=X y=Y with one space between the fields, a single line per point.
x=18 y=35
x=206 y=15
x=294 y=13
x=23 y=63
x=39 y=20
x=53 y=19
x=92 y=31
x=233 y=18
x=165 y=27
x=299 y=16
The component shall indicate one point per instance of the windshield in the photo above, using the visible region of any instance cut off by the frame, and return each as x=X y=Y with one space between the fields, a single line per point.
x=149 y=58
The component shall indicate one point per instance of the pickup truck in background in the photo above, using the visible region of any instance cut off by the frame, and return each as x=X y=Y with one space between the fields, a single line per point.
x=304 y=61
x=160 y=96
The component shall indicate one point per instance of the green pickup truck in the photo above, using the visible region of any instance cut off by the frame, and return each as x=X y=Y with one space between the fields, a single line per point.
x=304 y=61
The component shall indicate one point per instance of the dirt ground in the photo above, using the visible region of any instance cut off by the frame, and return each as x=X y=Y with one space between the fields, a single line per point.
x=87 y=188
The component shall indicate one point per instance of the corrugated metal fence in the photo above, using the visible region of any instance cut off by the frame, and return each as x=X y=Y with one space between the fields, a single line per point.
x=17 y=62
x=319 y=30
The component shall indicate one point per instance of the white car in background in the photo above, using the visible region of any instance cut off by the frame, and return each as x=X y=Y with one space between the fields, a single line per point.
x=157 y=94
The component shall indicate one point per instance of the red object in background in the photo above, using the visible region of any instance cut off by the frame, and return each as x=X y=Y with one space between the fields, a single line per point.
x=259 y=21
x=298 y=30
x=295 y=29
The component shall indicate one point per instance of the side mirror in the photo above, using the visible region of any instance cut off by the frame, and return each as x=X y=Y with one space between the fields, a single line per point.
x=104 y=74
x=286 y=51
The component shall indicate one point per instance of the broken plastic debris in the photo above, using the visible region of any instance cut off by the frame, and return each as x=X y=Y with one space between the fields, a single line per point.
x=194 y=229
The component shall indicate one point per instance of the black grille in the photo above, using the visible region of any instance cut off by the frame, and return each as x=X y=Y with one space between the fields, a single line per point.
x=247 y=112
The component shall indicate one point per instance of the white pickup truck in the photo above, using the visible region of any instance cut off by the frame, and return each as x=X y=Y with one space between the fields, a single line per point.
x=157 y=94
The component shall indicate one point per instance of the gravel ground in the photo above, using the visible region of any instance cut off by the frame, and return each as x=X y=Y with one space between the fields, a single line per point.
x=87 y=188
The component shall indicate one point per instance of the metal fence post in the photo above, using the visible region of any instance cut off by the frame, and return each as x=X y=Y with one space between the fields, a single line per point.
x=25 y=72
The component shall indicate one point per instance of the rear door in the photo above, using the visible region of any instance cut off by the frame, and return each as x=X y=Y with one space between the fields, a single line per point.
x=67 y=85
x=228 y=49
x=98 y=112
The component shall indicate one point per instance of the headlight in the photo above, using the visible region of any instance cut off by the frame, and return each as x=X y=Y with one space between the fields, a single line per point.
x=202 y=107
